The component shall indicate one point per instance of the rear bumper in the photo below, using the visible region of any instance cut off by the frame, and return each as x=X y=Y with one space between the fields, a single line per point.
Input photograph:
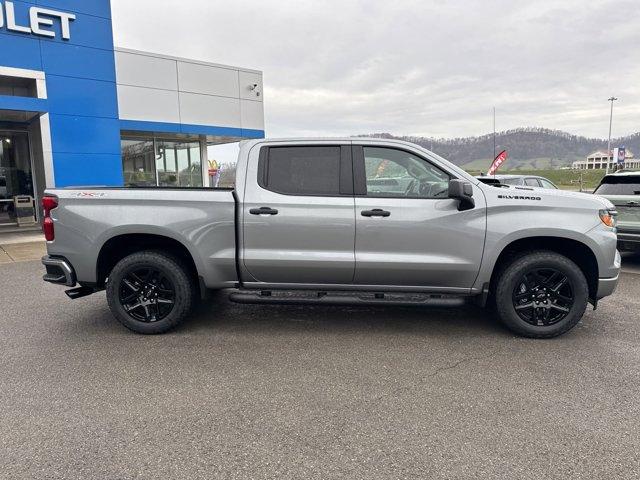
x=59 y=271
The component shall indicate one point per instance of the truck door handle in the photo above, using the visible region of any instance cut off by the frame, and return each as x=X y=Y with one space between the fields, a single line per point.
x=376 y=212
x=263 y=211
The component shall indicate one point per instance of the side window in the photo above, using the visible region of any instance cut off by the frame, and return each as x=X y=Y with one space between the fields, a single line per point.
x=304 y=170
x=531 y=182
x=547 y=184
x=396 y=173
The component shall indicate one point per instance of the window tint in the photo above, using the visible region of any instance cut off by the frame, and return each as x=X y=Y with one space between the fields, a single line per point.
x=621 y=185
x=546 y=183
x=395 y=173
x=303 y=170
x=531 y=182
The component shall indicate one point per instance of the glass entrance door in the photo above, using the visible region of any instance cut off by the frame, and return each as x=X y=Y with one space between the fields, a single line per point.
x=16 y=177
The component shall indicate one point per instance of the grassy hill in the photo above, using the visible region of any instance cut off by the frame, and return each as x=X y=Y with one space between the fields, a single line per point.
x=528 y=148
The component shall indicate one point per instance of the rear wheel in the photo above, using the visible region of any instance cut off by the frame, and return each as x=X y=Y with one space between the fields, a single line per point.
x=150 y=292
x=541 y=295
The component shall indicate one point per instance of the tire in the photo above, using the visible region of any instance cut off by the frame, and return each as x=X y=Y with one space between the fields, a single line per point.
x=159 y=284
x=541 y=294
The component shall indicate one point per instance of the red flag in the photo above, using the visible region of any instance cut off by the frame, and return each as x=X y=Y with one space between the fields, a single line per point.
x=499 y=160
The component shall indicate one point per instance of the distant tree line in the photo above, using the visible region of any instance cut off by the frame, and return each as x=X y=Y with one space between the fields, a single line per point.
x=526 y=143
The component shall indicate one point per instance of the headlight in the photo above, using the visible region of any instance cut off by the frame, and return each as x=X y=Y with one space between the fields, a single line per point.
x=609 y=217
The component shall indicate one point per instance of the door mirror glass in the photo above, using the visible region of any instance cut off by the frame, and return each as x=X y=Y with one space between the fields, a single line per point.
x=462 y=191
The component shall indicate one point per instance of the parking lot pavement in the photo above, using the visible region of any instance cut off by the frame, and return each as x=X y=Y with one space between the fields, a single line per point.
x=312 y=392
x=20 y=252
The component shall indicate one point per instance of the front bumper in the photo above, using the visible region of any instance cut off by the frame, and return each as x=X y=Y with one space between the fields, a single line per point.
x=606 y=286
x=59 y=271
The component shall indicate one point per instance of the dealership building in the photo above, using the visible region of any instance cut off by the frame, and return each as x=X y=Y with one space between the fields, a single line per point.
x=77 y=111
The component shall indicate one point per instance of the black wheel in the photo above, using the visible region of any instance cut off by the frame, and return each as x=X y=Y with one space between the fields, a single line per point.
x=150 y=292
x=541 y=295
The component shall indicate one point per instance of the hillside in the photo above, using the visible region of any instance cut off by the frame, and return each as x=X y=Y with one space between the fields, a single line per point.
x=529 y=148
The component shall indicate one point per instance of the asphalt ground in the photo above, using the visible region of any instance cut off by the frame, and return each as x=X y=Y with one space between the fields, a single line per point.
x=312 y=392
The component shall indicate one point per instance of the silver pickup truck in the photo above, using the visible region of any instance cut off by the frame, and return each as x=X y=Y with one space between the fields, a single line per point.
x=336 y=221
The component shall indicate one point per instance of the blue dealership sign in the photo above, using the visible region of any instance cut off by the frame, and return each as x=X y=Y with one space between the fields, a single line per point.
x=71 y=42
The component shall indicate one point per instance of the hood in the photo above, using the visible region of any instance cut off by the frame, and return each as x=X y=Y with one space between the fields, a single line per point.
x=563 y=195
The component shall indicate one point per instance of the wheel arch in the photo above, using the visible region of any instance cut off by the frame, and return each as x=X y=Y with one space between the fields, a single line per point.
x=120 y=246
x=580 y=253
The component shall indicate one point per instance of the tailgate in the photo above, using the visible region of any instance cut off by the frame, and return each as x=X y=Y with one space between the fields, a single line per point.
x=628 y=208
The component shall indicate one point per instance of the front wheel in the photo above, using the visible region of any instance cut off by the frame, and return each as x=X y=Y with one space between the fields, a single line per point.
x=150 y=292
x=541 y=295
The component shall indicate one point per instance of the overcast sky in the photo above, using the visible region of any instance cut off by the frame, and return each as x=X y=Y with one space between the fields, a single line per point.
x=430 y=67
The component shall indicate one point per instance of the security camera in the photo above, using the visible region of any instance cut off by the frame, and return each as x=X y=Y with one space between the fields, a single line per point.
x=254 y=88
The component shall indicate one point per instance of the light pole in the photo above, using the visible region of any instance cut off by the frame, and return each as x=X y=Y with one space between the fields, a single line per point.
x=494 y=133
x=612 y=99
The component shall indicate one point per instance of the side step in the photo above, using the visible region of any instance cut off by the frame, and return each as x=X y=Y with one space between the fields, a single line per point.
x=79 y=292
x=341 y=298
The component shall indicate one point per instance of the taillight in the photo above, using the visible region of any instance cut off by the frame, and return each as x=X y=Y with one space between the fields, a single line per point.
x=48 y=204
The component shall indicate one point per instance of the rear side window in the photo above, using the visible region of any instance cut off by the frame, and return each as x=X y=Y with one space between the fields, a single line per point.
x=619 y=185
x=305 y=170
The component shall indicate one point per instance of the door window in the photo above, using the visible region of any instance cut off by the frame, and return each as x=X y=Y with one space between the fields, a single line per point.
x=396 y=173
x=309 y=170
x=547 y=184
x=531 y=182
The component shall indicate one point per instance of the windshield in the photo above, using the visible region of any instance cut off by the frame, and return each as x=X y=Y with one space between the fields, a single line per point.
x=510 y=181
x=619 y=185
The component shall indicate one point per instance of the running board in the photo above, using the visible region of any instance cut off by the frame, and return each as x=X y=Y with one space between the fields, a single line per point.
x=325 y=298
x=79 y=292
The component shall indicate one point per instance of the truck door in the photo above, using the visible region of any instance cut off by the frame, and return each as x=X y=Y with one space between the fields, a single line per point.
x=408 y=232
x=298 y=215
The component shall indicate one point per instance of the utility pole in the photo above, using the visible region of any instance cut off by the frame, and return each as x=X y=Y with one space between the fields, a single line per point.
x=612 y=99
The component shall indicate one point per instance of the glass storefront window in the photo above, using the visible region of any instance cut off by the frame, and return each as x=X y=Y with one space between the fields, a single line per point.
x=159 y=162
x=181 y=163
x=138 y=162
x=16 y=177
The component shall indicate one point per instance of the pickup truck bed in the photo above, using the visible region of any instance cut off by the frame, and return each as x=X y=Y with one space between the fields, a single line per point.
x=200 y=220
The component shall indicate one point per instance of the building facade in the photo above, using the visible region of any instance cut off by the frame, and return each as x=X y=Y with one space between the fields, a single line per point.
x=77 y=111
x=598 y=161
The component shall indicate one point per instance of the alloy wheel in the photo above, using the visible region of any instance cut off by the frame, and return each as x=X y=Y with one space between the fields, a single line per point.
x=147 y=294
x=543 y=296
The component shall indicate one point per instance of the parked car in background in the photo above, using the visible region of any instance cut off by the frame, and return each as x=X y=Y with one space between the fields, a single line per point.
x=623 y=190
x=518 y=180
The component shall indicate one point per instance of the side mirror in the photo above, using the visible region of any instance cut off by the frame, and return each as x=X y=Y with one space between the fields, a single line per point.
x=463 y=191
